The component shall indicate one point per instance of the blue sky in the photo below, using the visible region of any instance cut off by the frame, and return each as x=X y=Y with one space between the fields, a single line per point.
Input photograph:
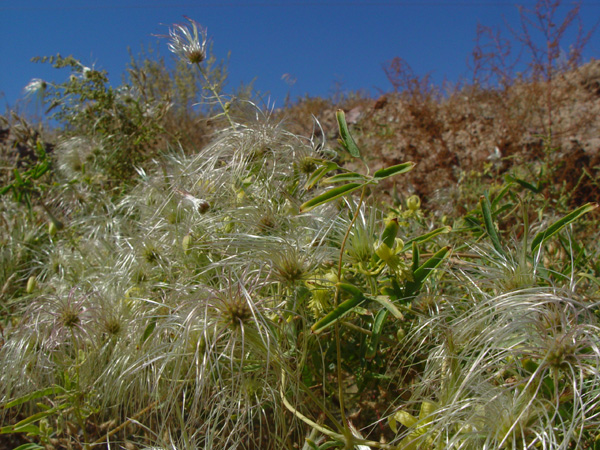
x=318 y=43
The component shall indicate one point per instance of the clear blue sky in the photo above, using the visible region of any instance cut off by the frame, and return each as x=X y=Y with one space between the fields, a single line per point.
x=316 y=42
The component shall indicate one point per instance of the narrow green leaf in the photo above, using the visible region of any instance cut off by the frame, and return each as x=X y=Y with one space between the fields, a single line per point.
x=415 y=256
x=40 y=170
x=29 y=429
x=341 y=310
x=527 y=185
x=340 y=177
x=384 y=301
x=393 y=170
x=330 y=444
x=320 y=173
x=149 y=329
x=33 y=396
x=29 y=446
x=503 y=208
x=393 y=424
x=388 y=236
x=346 y=140
x=35 y=418
x=428 y=236
x=330 y=195
x=311 y=444
x=543 y=236
x=489 y=223
x=424 y=271
x=376 y=334
x=500 y=196
x=18 y=178
x=350 y=289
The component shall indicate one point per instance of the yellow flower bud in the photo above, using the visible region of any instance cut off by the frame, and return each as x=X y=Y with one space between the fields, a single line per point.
x=52 y=229
x=413 y=202
x=331 y=277
x=186 y=242
x=400 y=334
x=383 y=251
x=31 y=284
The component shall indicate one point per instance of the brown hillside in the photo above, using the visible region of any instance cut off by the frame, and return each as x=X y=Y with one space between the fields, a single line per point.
x=475 y=130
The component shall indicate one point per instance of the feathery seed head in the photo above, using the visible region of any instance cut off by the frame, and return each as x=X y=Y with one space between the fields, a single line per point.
x=189 y=43
x=35 y=87
x=290 y=265
x=237 y=310
x=234 y=302
x=307 y=165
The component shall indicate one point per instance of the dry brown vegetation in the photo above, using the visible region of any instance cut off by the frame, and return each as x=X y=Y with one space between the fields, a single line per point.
x=477 y=132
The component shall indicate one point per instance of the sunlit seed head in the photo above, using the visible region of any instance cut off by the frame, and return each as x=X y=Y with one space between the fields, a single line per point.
x=151 y=254
x=112 y=326
x=267 y=223
x=69 y=318
x=560 y=354
x=290 y=268
x=307 y=165
x=35 y=87
x=237 y=311
x=188 y=42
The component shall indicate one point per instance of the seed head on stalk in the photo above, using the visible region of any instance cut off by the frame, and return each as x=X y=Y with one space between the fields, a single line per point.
x=188 y=43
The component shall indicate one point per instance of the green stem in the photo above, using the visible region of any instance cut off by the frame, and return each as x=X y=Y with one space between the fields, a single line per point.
x=213 y=89
x=338 y=347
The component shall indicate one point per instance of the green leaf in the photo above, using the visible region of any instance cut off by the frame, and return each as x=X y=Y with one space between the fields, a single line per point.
x=149 y=329
x=311 y=444
x=346 y=140
x=342 y=309
x=330 y=444
x=424 y=271
x=320 y=173
x=533 y=188
x=543 y=236
x=489 y=223
x=406 y=419
x=29 y=429
x=432 y=263
x=428 y=236
x=393 y=170
x=500 y=196
x=330 y=195
x=33 y=396
x=388 y=236
x=340 y=177
x=36 y=417
x=388 y=305
x=376 y=334
x=415 y=256
x=30 y=446
x=18 y=178
x=40 y=170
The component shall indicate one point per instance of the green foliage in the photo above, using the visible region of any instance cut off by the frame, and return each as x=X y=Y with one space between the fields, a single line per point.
x=125 y=121
x=27 y=184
